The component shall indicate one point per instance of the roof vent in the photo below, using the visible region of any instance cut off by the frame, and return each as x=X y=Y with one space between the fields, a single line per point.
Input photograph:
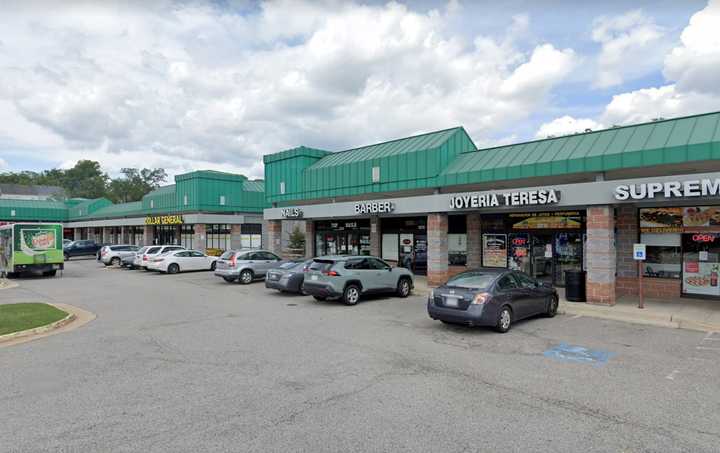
x=588 y=130
x=376 y=174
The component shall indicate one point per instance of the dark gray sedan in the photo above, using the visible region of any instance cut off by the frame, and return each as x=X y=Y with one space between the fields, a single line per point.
x=288 y=276
x=491 y=297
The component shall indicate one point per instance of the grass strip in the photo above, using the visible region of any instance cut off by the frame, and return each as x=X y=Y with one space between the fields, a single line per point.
x=23 y=316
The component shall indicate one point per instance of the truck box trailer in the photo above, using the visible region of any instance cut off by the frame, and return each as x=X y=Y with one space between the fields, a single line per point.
x=31 y=248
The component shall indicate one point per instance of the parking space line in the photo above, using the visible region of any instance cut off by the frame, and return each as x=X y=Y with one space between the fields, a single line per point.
x=671 y=376
x=706 y=348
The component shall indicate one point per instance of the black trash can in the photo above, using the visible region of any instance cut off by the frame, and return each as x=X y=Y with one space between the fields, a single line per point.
x=575 y=286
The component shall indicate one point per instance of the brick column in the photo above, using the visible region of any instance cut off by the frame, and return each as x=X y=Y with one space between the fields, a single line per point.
x=105 y=235
x=124 y=236
x=437 y=254
x=235 y=237
x=148 y=231
x=77 y=234
x=198 y=241
x=309 y=239
x=600 y=251
x=626 y=231
x=375 y=237
x=474 y=240
x=274 y=234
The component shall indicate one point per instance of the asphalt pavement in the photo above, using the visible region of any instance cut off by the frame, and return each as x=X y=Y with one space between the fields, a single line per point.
x=189 y=363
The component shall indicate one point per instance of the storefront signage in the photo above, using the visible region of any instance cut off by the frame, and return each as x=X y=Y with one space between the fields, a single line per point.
x=523 y=198
x=374 y=207
x=639 y=252
x=291 y=213
x=669 y=189
x=703 y=237
x=164 y=220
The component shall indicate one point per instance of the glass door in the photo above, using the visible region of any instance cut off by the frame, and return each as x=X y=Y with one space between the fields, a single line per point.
x=568 y=255
x=541 y=256
x=701 y=264
x=420 y=254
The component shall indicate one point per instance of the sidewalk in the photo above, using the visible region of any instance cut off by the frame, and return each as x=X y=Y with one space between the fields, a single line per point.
x=680 y=313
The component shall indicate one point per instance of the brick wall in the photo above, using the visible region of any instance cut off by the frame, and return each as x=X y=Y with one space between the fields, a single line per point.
x=309 y=239
x=274 y=234
x=375 y=238
x=655 y=288
x=601 y=252
x=437 y=259
x=626 y=227
x=474 y=239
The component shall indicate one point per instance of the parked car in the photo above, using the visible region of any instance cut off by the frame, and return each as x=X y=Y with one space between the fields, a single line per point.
x=112 y=255
x=176 y=261
x=134 y=261
x=80 y=248
x=349 y=277
x=491 y=297
x=288 y=276
x=154 y=251
x=67 y=242
x=245 y=265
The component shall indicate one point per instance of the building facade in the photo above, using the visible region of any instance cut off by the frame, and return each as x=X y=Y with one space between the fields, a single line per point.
x=204 y=210
x=438 y=205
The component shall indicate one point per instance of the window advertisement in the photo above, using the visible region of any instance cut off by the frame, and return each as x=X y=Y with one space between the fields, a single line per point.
x=701 y=264
x=390 y=249
x=520 y=252
x=494 y=248
x=701 y=217
x=661 y=220
x=547 y=220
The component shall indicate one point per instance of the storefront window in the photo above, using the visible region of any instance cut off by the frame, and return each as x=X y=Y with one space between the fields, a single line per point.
x=701 y=263
x=217 y=237
x=457 y=240
x=186 y=236
x=251 y=236
x=342 y=237
x=166 y=235
x=663 y=255
x=494 y=250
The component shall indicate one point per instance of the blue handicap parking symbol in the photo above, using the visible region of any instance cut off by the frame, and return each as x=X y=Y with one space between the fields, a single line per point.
x=578 y=354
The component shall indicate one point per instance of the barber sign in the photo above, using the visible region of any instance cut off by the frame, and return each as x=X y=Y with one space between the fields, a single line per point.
x=639 y=252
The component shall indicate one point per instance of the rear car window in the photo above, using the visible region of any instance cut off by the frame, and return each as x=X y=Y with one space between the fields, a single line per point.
x=321 y=265
x=479 y=280
x=227 y=255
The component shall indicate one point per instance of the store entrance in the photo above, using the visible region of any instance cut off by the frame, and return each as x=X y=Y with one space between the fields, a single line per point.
x=546 y=255
x=413 y=252
x=541 y=256
x=165 y=235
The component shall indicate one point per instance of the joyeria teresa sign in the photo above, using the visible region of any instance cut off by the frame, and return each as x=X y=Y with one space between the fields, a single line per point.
x=669 y=189
x=521 y=198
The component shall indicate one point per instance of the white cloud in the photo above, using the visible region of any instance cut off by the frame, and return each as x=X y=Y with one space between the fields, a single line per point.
x=632 y=45
x=695 y=64
x=3 y=165
x=566 y=125
x=188 y=86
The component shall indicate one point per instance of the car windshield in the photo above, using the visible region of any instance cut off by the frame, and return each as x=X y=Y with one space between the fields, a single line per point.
x=227 y=255
x=153 y=250
x=142 y=250
x=479 y=280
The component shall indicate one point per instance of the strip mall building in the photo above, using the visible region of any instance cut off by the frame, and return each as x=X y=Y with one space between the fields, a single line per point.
x=437 y=204
x=204 y=210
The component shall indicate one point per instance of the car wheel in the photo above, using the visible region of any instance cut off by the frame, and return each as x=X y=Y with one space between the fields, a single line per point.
x=246 y=277
x=173 y=269
x=351 y=295
x=229 y=279
x=212 y=266
x=319 y=298
x=403 y=287
x=115 y=261
x=504 y=320
x=552 y=307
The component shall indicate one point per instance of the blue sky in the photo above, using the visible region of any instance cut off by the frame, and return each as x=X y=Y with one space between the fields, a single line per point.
x=190 y=85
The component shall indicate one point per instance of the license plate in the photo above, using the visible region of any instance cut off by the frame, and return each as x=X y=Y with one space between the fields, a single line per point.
x=451 y=301
x=313 y=277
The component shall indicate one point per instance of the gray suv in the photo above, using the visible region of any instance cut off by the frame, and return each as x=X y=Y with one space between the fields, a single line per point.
x=349 y=277
x=245 y=265
x=112 y=255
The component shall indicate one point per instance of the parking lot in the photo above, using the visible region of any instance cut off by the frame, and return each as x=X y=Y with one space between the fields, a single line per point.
x=188 y=362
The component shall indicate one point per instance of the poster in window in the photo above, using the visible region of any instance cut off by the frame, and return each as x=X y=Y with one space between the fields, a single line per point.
x=701 y=278
x=494 y=250
x=701 y=216
x=547 y=220
x=661 y=220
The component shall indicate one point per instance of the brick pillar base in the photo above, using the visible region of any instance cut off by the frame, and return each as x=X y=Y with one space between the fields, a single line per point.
x=601 y=252
x=437 y=244
x=474 y=241
x=274 y=234
x=375 y=237
x=309 y=239
x=148 y=233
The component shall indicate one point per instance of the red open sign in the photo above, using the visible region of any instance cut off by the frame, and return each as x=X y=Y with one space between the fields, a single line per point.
x=703 y=237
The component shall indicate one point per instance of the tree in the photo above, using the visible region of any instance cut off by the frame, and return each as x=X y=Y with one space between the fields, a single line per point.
x=135 y=183
x=296 y=240
x=86 y=180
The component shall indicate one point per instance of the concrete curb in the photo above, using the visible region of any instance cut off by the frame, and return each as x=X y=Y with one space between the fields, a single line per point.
x=7 y=284
x=637 y=318
x=39 y=330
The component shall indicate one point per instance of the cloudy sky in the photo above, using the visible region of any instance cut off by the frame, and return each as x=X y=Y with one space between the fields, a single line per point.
x=191 y=85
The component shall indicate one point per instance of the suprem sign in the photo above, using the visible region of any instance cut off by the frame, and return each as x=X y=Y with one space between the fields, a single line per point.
x=669 y=189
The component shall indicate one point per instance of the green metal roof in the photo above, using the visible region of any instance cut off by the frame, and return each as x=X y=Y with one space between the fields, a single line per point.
x=300 y=151
x=132 y=209
x=415 y=143
x=693 y=138
x=254 y=186
x=33 y=210
x=210 y=174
